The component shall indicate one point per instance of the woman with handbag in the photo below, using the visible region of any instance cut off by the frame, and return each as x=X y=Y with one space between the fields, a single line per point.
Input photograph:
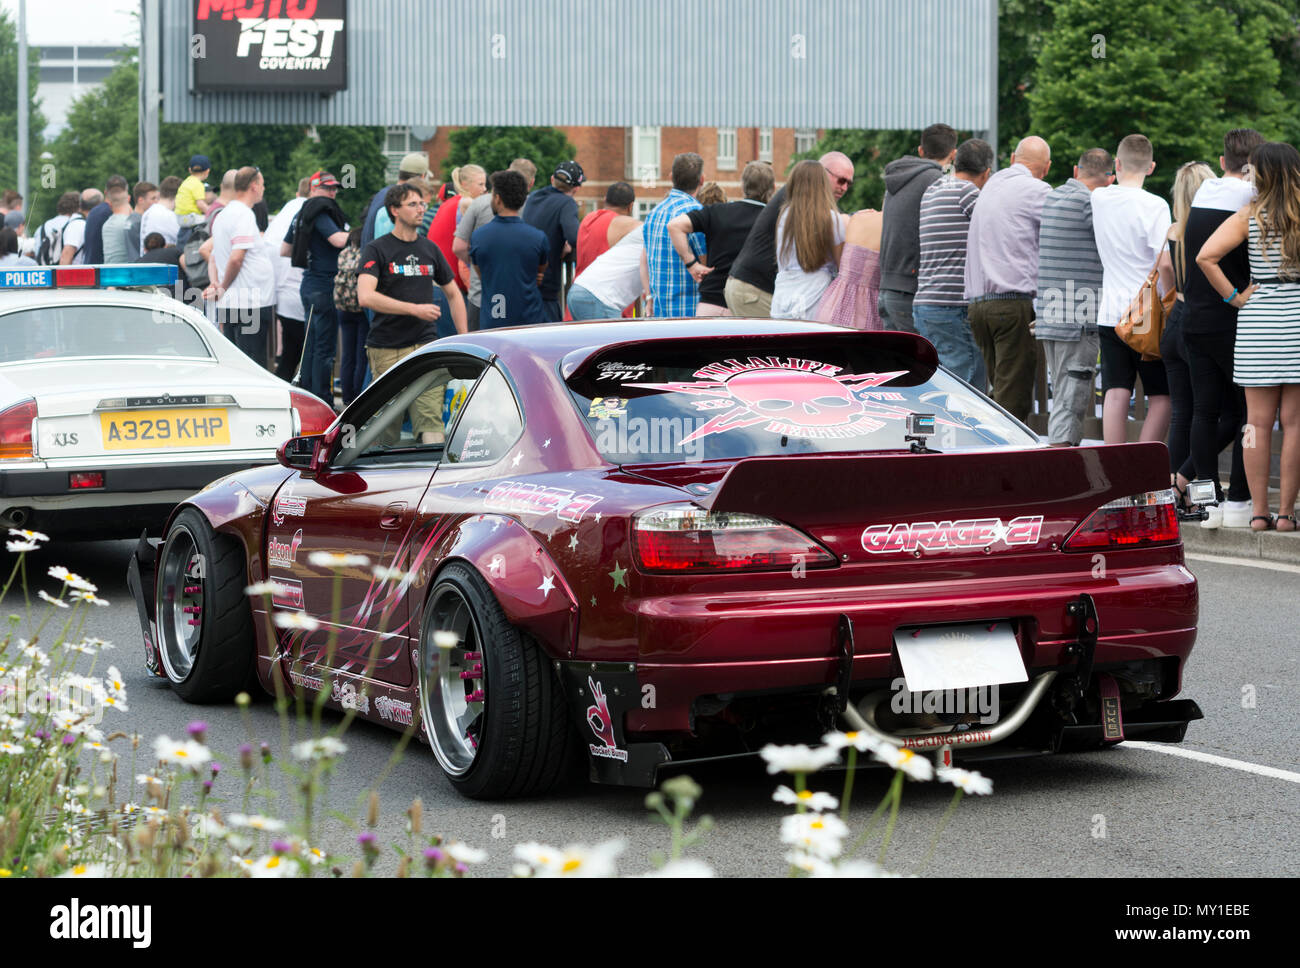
x=1267 y=349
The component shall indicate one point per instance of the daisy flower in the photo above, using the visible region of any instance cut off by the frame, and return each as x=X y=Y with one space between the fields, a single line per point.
x=26 y=535
x=81 y=647
x=466 y=854
x=45 y=596
x=385 y=573
x=445 y=639
x=809 y=799
x=34 y=653
x=819 y=834
x=917 y=767
x=97 y=643
x=851 y=868
x=147 y=778
x=261 y=588
x=11 y=749
x=797 y=759
x=71 y=579
x=575 y=860
x=270 y=865
x=333 y=559
x=21 y=546
x=86 y=870
x=185 y=753
x=810 y=864
x=296 y=620
x=859 y=739
x=968 y=781
x=325 y=748
x=85 y=596
x=257 y=822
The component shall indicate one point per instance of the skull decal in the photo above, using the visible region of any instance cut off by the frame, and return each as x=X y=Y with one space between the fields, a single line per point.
x=802 y=399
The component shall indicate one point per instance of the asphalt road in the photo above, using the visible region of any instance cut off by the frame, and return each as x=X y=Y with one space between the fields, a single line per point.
x=1127 y=812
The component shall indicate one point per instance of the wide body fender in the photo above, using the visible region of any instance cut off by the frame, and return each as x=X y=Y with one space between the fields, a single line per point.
x=529 y=587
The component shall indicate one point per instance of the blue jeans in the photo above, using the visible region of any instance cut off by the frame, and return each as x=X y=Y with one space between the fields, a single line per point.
x=317 y=372
x=352 y=369
x=948 y=329
x=583 y=305
x=444 y=323
x=895 y=309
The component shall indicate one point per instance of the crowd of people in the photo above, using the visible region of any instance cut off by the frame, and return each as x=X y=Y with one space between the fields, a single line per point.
x=992 y=267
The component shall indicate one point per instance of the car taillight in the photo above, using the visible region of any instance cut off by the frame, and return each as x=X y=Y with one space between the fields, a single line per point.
x=311 y=415
x=16 y=431
x=1127 y=522
x=683 y=537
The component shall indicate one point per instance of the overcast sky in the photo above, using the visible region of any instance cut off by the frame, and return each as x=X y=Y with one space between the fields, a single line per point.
x=105 y=23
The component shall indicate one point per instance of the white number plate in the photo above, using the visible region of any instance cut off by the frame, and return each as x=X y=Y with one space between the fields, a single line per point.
x=959 y=656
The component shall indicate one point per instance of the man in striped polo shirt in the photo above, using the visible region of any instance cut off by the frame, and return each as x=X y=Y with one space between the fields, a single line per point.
x=1002 y=272
x=1069 y=290
x=939 y=308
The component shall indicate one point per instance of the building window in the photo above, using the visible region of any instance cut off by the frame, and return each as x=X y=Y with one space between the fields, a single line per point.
x=805 y=139
x=765 y=144
x=397 y=143
x=727 y=149
x=641 y=156
x=644 y=208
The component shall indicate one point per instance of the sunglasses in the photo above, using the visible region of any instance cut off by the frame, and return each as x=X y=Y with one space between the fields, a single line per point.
x=840 y=179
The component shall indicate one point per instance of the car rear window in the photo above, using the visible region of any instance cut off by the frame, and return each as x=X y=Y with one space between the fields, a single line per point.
x=54 y=332
x=673 y=401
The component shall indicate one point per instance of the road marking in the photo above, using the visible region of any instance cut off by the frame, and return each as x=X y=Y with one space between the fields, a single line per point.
x=1269 y=771
x=1248 y=562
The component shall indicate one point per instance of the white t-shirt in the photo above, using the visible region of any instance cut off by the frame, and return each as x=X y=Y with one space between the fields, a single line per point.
x=254 y=287
x=74 y=234
x=796 y=292
x=288 y=278
x=1130 y=226
x=614 y=276
x=159 y=218
x=1224 y=194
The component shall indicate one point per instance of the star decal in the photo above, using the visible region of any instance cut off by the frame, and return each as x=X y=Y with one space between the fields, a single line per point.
x=496 y=524
x=598 y=522
x=518 y=457
x=573 y=541
x=618 y=575
x=547 y=443
x=593 y=601
x=547 y=585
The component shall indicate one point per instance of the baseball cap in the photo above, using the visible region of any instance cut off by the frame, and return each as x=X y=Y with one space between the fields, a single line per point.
x=201 y=162
x=416 y=163
x=323 y=179
x=569 y=171
x=14 y=219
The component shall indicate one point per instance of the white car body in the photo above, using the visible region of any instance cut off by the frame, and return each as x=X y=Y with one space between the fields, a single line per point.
x=106 y=412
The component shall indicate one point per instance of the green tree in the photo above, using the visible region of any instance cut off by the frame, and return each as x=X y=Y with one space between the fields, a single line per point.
x=355 y=156
x=9 y=112
x=495 y=148
x=1179 y=71
x=1023 y=25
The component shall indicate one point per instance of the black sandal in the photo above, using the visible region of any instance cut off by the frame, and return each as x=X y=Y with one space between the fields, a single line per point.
x=1271 y=520
x=1286 y=517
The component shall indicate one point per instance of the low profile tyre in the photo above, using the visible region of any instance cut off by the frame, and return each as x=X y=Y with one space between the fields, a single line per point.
x=205 y=625
x=492 y=709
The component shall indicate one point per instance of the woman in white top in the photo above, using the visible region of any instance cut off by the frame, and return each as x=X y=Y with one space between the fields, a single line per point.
x=613 y=280
x=809 y=237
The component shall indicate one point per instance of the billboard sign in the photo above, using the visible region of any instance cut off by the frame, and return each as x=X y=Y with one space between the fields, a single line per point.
x=271 y=46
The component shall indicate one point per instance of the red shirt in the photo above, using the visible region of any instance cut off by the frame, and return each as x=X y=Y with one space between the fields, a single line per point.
x=443 y=230
x=593 y=237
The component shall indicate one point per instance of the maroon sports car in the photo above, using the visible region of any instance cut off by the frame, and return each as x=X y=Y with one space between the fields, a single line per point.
x=658 y=541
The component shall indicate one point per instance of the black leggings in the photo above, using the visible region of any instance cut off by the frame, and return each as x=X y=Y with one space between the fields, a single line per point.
x=1218 y=409
x=1174 y=356
x=287 y=365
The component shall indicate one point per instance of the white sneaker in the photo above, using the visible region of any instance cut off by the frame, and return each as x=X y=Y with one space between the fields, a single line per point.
x=1215 y=519
x=1236 y=514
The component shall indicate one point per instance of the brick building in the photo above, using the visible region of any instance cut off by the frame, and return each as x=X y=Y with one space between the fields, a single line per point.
x=643 y=156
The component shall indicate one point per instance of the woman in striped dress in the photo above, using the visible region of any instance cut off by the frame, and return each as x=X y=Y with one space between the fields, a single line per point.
x=1267 y=350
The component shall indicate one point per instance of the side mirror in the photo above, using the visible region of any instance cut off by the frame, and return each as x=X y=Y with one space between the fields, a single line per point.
x=297 y=452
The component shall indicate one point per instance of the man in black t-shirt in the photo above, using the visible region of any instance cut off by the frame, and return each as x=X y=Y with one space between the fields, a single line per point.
x=395 y=282
x=725 y=228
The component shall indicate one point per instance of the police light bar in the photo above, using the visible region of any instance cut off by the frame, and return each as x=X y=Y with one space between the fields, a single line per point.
x=89 y=277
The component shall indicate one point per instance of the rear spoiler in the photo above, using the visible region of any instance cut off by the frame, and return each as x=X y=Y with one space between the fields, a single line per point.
x=816 y=489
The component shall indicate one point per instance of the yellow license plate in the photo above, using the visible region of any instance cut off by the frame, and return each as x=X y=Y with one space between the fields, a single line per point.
x=140 y=429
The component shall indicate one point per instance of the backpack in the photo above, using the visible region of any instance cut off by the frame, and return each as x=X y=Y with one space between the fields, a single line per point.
x=193 y=266
x=50 y=246
x=345 y=282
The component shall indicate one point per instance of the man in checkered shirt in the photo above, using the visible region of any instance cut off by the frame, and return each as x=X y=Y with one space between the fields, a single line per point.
x=673 y=291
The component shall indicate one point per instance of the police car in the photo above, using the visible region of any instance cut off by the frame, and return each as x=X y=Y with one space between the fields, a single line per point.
x=118 y=401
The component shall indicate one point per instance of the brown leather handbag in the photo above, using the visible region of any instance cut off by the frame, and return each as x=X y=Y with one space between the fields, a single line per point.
x=1144 y=323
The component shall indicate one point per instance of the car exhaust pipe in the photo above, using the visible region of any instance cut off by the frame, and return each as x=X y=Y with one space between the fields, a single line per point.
x=14 y=517
x=863 y=718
